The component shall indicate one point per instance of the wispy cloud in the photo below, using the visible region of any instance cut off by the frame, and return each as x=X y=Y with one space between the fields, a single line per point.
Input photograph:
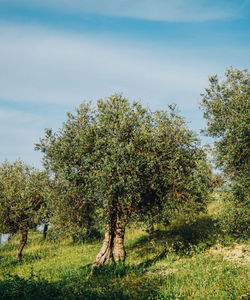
x=18 y=133
x=155 y=10
x=53 y=67
x=47 y=69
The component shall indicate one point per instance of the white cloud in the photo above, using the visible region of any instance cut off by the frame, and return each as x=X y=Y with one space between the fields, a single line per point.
x=19 y=131
x=156 y=10
x=47 y=67
x=52 y=67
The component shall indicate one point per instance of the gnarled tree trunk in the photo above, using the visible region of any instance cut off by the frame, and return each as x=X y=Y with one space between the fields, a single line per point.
x=119 y=253
x=45 y=230
x=24 y=237
x=112 y=250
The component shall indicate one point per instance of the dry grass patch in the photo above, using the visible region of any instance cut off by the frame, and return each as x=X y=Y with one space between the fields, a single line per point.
x=239 y=253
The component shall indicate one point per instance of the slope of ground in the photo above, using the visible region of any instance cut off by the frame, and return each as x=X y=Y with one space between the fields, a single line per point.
x=182 y=261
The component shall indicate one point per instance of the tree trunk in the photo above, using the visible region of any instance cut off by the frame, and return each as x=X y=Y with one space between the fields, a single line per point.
x=45 y=230
x=24 y=237
x=112 y=250
x=119 y=253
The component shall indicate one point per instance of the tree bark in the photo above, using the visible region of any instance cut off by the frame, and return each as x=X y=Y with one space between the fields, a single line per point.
x=105 y=255
x=112 y=250
x=24 y=237
x=119 y=253
x=45 y=230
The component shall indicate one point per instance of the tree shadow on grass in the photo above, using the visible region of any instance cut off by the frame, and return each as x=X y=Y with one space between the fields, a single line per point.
x=16 y=287
x=107 y=283
x=27 y=258
x=180 y=238
x=6 y=262
x=114 y=282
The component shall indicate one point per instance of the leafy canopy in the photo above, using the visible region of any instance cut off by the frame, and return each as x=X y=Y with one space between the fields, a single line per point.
x=226 y=105
x=127 y=160
x=22 y=196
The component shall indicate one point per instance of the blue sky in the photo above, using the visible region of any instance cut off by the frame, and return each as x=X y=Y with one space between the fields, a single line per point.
x=54 y=54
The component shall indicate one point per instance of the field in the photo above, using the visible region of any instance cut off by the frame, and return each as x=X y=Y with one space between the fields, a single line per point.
x=181 y=261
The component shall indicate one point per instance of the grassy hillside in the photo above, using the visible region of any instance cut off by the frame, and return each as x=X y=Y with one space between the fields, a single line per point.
x=180 y=262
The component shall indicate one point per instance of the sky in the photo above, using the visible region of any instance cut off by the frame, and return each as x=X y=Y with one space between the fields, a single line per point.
x=54 y=54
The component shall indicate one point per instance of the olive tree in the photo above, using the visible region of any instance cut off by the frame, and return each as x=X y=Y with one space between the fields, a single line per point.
x=22 y=198
x=226 y=106
x=125 y=159
x=180 y=175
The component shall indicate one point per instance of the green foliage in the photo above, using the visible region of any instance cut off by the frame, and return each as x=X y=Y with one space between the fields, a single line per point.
x=218 y=181
x=22 y=196
x=234 y=217
x=79 y=235
x=70 y=215
x=82 y=235
x=124 y=159
x=226 y=107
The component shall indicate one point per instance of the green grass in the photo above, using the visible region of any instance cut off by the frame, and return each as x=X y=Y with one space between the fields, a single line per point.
x=182 y=261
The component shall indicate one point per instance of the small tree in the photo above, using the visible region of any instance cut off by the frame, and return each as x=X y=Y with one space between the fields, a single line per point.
x=226 y=106
x=22 y=191
x=124 y=159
